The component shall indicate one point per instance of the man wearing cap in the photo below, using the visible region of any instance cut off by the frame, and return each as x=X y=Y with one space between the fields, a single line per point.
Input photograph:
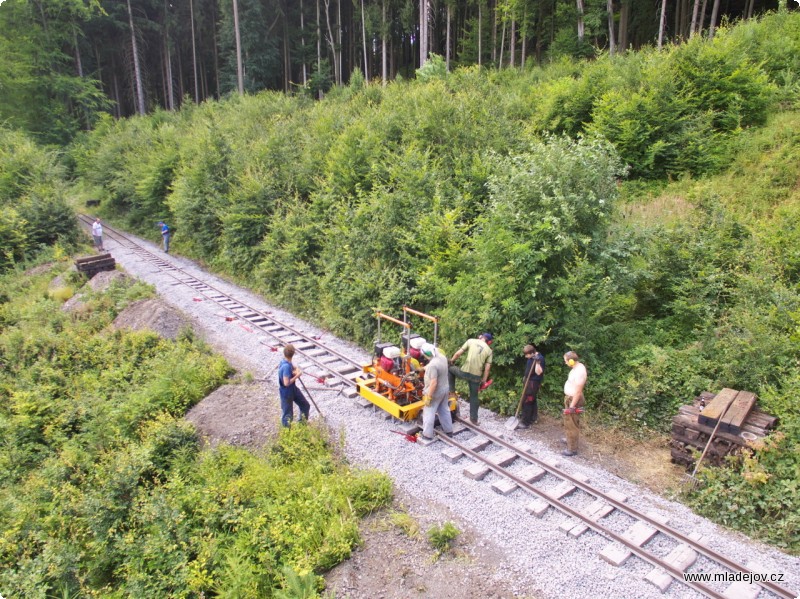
x=475 y=371
x=435 y=391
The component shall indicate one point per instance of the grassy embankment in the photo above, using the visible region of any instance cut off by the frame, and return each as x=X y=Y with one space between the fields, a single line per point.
x=104 y=490
x=492 y=199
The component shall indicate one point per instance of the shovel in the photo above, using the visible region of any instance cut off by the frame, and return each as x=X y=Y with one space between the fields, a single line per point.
x=311 y=398
x=691 y=479
x=513 y=422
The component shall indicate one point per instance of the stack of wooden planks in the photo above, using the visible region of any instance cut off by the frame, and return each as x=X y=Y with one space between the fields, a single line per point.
x=92 y=265
x=740 y=423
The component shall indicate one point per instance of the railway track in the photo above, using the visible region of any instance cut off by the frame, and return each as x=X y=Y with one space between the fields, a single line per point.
x=646 y=536
x=673 y=553
x=329 y=366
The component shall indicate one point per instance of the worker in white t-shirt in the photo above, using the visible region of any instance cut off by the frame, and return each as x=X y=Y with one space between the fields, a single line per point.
x=573 y=401
x=97 y=234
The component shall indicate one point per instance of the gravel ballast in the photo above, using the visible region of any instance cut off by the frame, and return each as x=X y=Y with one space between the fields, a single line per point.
x=541 y=560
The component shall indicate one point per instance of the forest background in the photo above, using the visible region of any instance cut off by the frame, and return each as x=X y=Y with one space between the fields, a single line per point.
x=640 y=208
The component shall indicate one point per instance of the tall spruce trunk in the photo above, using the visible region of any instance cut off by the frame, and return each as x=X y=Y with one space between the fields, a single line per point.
x=303 y=43
x=239 y=65
x=610 y=9
x=494 y=33
x=287 y=56
x=384 y=61
x=480 y=31
x=78 y=61
x=319 y=50
x=423 y=31
x=364 y=40
x=695 y=14
x=662 y=24
x=502 y=45
x=702 y=20
x=512 y=61
x=622 y=31
x=713 y=25
x=137 y=69
x=194 y=55
x=447 y=39
x=580 y=20
x=340 y=48
x=332 y=43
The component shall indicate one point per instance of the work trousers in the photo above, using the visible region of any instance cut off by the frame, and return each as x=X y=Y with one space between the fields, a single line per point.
x=98 y=242
x=572 y=424
x=530 y=405
x=165 y=239
x=289 y=397
x=474 y=381
x=440 y=408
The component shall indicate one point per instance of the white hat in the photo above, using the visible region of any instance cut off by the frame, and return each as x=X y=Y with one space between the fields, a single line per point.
x=417 y=342
x=428 y=350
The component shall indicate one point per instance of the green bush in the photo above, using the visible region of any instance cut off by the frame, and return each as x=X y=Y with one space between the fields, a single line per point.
x=104 y=490
x=33 y=207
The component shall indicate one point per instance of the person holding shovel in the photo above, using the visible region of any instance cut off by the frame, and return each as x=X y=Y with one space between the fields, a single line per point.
x=573 y=401
x=534 y=375
x=289 y=393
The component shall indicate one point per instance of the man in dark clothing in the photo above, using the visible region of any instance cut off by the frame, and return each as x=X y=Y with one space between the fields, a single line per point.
x=290 y=394
x=530 y=405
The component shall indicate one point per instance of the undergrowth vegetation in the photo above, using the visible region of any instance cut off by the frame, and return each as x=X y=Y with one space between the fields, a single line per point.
x=34 y=212
x=104 y=490
x=641 y=209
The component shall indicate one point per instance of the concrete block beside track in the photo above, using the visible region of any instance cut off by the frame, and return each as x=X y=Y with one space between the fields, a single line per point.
x=598 y=509
x=742 y=590
x=477 y=471
x=531 y=473
x=504 y=486
x=537 y=507
x=659 y=578
x=452 y=454
x=562 y=490
x=503 y=458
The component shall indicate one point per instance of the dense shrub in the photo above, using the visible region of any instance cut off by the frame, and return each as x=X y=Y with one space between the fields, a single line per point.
x=104 y=490
x=33 y=207
x=449 y=193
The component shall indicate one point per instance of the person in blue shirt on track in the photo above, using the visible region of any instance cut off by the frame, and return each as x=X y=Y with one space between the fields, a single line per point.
x=165 y=234
x=289 y=393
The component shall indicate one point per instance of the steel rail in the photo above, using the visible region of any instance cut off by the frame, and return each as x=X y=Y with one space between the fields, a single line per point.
x=264 y=320
x=630 y=511
x=267 y=320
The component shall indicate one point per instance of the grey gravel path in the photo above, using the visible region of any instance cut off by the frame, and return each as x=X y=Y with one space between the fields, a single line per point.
x=542 y=560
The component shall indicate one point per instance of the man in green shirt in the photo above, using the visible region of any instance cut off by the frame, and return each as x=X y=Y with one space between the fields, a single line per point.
x=475 y=370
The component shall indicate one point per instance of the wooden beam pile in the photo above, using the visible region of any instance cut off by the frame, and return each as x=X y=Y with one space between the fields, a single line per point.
x=94 y=264
x=742 y=423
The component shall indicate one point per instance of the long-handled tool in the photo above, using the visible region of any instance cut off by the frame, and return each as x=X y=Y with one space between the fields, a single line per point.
x=690 y=478
x=513 y=422
x=299 y=380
